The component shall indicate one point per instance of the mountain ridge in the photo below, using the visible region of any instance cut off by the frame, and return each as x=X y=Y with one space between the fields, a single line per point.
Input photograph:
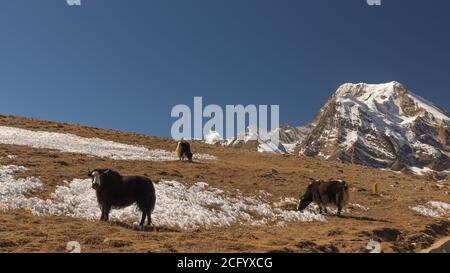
x=378 y=125
x=382 y=126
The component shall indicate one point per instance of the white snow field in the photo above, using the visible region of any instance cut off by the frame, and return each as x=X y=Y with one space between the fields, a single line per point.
x=177 y=205
x=435 y=209
x=90 y=146
x=13 y=191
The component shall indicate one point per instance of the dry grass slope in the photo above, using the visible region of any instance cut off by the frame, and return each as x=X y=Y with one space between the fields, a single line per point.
x=389 y=218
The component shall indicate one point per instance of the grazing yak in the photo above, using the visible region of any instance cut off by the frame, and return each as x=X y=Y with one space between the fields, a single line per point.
x=116 y=191
x=333 y=192
x=184 y=150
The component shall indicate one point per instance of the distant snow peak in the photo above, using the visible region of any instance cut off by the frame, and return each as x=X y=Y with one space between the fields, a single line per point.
x=213 y=137
x=383 y=126
x=389 y=99
x=280 y=140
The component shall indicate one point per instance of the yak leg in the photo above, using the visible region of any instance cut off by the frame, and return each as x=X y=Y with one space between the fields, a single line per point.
x=143 y=218
x=149 y=218
x=105 y=213
x=107 y=210
x=325 y=209
x=340 y=206
x=316 y=200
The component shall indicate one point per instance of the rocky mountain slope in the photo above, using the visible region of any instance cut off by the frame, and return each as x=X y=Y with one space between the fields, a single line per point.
x=378 y=125
x=383 y=126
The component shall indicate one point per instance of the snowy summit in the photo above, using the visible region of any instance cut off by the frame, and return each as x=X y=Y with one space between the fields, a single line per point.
x=383 y=126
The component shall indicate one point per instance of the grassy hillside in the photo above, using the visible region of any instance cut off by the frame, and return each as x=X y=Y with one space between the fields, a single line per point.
x=386 y=216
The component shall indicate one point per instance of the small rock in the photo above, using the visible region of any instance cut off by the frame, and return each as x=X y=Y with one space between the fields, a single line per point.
x=373 y=246
x=387 y=234
x=138 y=227
x=117 y=243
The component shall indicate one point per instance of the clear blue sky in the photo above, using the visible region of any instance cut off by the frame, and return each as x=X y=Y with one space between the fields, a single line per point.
x=124 y=64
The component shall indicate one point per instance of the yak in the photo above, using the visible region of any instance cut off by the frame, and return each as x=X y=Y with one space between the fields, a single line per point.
x=116 y=191
x=184 y=150
x=333 y=192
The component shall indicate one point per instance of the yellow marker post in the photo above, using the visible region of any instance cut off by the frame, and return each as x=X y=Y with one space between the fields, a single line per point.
x=375 y=188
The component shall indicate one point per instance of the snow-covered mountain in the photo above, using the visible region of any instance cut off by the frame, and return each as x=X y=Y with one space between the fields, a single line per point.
x=250 y=140
x=383 y=126
x=378 y=125
x=289 y=138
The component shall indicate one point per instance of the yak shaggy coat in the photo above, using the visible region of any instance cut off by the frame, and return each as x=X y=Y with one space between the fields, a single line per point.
x=184 y=150
x=116 y=191
x=333 y=192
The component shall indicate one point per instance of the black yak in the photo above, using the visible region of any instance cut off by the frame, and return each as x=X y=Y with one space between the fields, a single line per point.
x=333 y=192
x=184 y=150
x=116 y=191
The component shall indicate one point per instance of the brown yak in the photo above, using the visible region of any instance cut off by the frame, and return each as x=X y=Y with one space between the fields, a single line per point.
x=184 y=150
x=333 y=192
x=116 y=191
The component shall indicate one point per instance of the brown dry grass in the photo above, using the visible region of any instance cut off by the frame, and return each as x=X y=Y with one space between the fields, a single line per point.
x=282 y=176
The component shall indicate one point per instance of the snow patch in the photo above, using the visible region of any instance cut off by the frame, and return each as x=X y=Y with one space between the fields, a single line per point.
x=429 y=107
x=290 y=147
x=358 y=207
x=286 y=201
x=13 y=191
x=436 y=209
x=270 y=147
x=177 y=205
x=420 y=171
x=90 y=146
